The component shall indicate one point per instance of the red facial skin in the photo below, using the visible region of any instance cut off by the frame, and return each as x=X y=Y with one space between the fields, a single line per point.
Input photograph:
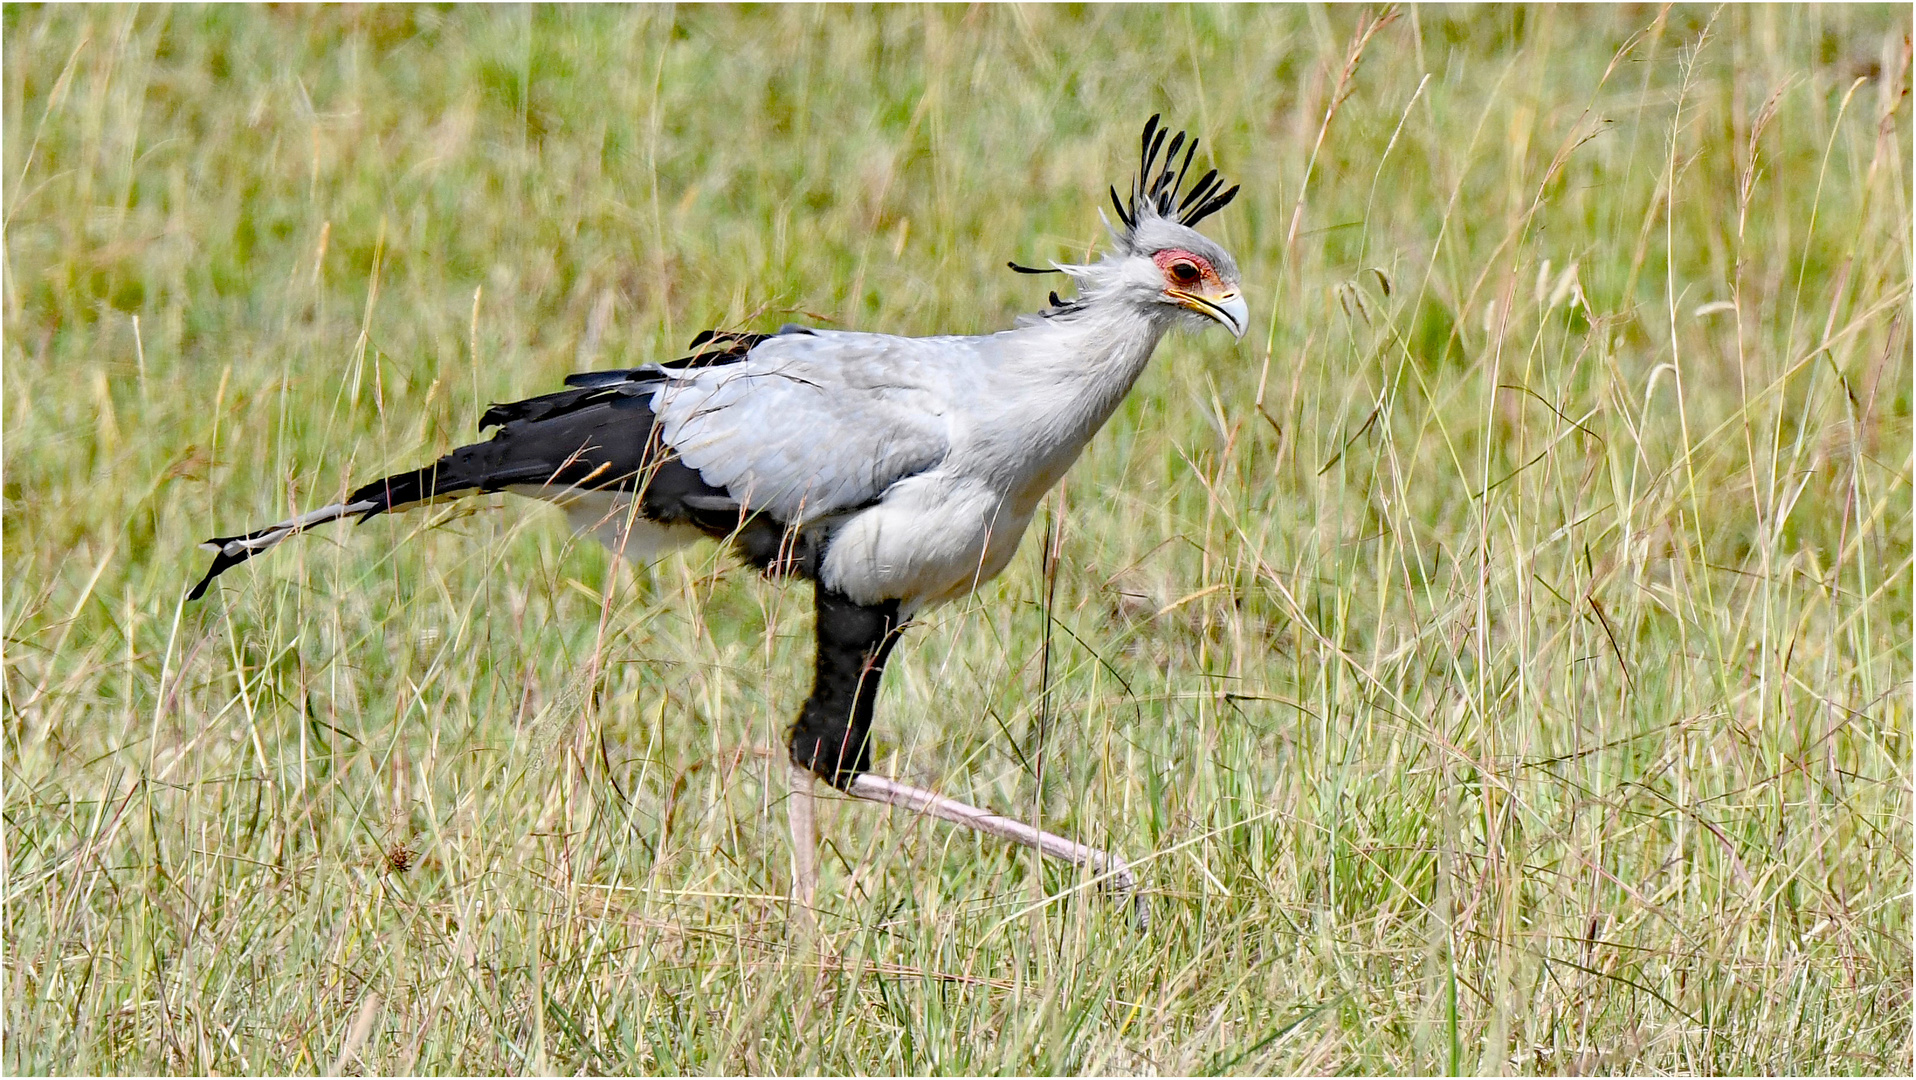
x=1206 y=279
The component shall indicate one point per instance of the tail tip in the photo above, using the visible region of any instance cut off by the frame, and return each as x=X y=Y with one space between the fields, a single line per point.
x=205 y=583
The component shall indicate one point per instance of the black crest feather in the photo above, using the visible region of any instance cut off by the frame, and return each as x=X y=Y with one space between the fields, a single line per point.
x=1155 y=190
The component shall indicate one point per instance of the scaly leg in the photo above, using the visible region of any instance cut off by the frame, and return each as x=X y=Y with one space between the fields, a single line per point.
x=882 y=789
x=800 y=811
x=830 y=740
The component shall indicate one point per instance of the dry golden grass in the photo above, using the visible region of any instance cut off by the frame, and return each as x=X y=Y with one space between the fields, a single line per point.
x=1499 y=662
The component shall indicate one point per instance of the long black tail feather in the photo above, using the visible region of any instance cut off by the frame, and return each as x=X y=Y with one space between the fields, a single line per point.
x=230 y=551
x=574 y=439
x=592 y=437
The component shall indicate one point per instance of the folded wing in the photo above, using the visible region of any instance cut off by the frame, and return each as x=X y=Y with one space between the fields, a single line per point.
x=812 y=425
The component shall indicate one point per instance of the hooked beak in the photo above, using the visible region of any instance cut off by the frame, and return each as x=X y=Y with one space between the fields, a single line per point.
x=1227 y=308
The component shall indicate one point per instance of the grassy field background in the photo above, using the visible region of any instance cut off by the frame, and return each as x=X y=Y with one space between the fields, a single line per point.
x=1499 y=661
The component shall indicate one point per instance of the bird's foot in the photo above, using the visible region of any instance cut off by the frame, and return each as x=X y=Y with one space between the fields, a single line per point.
x=1115 y=871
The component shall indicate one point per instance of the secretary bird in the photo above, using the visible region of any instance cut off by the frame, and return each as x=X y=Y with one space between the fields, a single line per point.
x=895 y=473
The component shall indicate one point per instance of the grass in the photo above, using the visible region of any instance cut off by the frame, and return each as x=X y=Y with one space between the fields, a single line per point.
x=1498 y=662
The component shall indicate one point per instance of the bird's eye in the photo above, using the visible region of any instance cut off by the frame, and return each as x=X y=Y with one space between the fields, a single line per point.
x=1184 y=273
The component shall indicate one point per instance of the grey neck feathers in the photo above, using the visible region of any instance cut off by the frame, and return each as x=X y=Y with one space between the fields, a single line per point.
x=1080 y=363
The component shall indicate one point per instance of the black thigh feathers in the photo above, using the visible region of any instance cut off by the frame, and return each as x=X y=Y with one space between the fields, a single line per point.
x=832 y=735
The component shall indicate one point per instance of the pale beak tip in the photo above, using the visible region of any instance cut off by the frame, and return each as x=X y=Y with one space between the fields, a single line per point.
x=1239 y=315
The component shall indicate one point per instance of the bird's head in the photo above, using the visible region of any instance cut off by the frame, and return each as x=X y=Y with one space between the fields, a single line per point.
x=1161 y=263
x=1165 y=260
x=1182 y=272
